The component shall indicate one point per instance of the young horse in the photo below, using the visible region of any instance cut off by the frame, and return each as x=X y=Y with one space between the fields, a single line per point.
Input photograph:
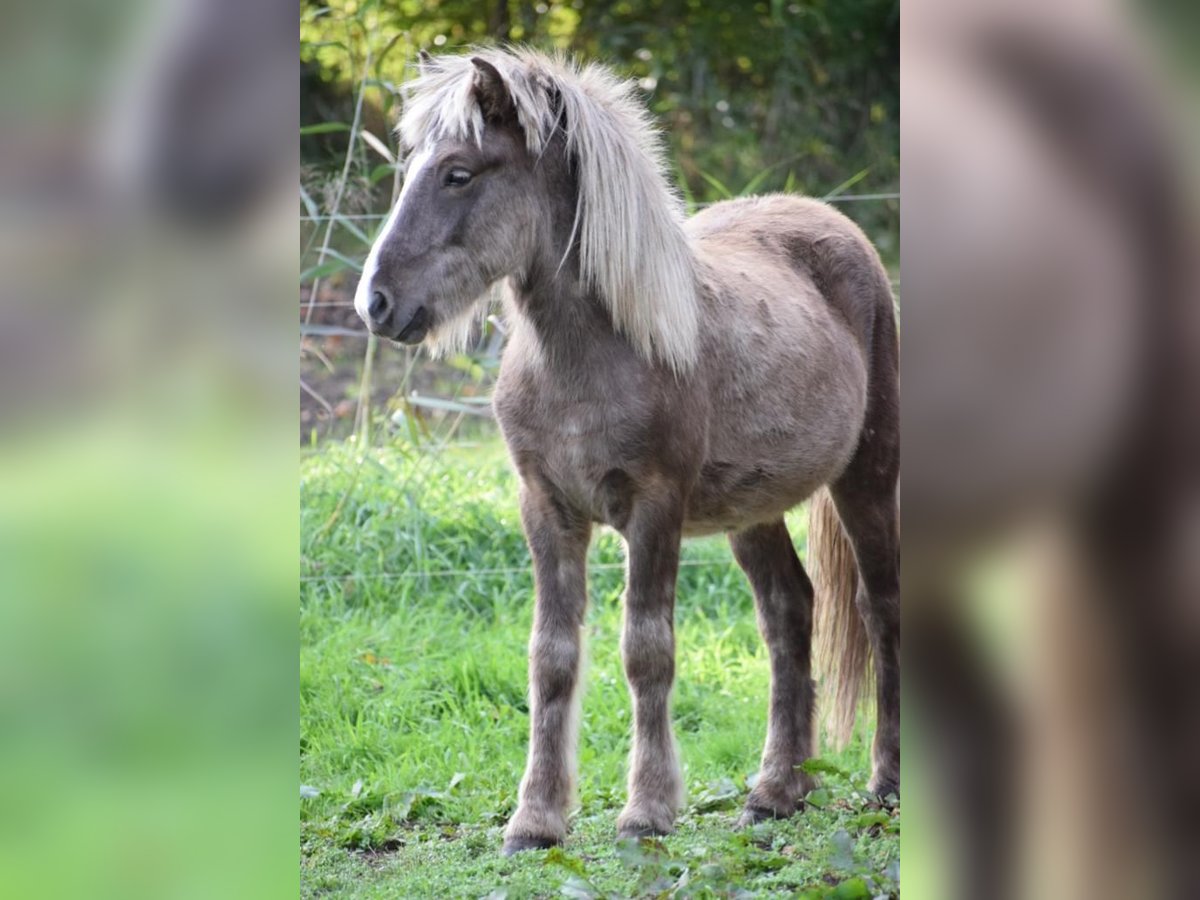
x=664 y=377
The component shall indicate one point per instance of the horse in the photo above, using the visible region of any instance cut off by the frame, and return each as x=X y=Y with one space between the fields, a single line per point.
x=664 y=376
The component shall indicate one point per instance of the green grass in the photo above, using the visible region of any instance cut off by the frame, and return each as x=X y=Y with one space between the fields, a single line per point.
x=416 y=601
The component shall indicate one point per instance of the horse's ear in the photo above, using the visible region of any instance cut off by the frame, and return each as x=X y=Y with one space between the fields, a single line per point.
x=492 y=92
x=424 y=62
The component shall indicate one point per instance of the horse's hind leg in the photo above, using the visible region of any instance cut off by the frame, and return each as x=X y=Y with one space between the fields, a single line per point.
x=865 y=497
x=783 y=598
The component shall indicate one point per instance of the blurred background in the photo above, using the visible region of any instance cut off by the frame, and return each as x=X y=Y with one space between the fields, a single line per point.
x=148 y=168
x=1051 y=477
x=752 y=98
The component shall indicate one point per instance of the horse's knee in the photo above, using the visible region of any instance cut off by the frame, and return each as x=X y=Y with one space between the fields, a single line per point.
x=648 y=652
x=554 y=664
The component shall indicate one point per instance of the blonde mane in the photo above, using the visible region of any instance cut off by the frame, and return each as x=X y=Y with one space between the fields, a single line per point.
x=628 y=220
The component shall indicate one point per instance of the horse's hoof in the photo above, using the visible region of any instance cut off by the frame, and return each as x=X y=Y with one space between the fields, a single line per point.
x=522 y=842
x=752 y=815
x=886 y=794
x=641 y=828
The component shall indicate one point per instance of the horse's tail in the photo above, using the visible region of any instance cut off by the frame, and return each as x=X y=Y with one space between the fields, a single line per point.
x=842 y=650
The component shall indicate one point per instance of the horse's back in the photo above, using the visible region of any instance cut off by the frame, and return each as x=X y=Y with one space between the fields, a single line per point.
x=808 y=237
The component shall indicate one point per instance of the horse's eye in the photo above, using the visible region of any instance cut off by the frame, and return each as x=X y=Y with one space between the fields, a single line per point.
x=457 y=178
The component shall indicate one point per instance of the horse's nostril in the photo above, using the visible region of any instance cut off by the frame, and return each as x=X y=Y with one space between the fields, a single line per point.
x=378 y=307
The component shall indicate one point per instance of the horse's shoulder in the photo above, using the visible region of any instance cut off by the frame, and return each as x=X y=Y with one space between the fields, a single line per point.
x=516 y=384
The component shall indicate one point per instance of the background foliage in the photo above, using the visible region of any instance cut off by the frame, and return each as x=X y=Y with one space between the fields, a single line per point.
x=799 y=95
x=752 y=98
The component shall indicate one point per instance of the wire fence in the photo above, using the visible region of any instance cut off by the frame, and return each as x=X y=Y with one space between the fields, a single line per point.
x=375 y=217
x=476 y=573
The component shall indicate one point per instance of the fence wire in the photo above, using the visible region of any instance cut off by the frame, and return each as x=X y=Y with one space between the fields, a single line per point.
x=375 y=217
x=518 y=570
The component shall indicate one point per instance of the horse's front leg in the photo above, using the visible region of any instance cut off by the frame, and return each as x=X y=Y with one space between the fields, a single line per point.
x=653 y=535
x=558 y=542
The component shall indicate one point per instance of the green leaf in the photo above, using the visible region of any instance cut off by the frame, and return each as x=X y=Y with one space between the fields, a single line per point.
x=556 y=857
x=387 y=49
x=324 y=128
x=354 y=230
x=640 y=852
x=843 y=849
x=818 y=798
x=772 y=863
x=349 y=263
x=310 y=205
x=851 y=889
x=848 y=183
x=754 y=183
x=577 y=889
x=316 y=45
x=715 y=795
x=720 y=188
x=817 y=766
x=871 y=820
x=330 y=267
x=381 y=171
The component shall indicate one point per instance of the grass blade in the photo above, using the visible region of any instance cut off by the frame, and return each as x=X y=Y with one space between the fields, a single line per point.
x=717 y=185
x=847 y=184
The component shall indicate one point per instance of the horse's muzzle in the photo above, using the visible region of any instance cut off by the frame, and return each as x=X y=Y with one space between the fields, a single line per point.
x=416 y=329
x=382 y=317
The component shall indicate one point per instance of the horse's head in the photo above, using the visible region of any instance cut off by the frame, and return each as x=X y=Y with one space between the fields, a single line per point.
x=471 y=207
x=531 y=166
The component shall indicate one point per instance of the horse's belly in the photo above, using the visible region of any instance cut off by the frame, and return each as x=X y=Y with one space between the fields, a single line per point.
x=729 y=498
x=787 y=390
x=757 y=472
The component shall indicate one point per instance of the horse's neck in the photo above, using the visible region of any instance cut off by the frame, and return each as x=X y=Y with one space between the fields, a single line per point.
x=568 y=323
